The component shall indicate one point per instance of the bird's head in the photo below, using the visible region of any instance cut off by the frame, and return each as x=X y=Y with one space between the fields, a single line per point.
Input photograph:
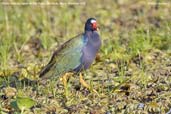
x=91 y=25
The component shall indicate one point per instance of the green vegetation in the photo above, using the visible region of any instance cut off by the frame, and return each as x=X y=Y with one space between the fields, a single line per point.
x=132 y=73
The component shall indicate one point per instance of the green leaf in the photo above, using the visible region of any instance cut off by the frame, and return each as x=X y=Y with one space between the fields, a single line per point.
x=25 y=102
x=22 y=103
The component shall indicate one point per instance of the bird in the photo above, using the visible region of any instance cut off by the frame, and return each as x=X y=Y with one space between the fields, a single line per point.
x=75 y=55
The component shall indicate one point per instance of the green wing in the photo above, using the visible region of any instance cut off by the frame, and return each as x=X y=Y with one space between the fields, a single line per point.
x=65 y=59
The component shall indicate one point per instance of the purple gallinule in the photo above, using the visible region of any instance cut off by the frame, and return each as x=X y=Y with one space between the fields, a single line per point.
x=74 y=55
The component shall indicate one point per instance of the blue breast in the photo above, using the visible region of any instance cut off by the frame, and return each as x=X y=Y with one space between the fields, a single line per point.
x=91 y=46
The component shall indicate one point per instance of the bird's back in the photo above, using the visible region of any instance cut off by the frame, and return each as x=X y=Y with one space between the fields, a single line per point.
x=65 y=59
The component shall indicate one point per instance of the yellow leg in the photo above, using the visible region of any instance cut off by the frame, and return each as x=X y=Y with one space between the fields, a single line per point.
x=85 y=84
x=64 y=79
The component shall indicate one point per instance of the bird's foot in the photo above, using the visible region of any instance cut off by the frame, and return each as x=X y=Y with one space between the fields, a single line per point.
x=86 y=85
x=65 y=79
